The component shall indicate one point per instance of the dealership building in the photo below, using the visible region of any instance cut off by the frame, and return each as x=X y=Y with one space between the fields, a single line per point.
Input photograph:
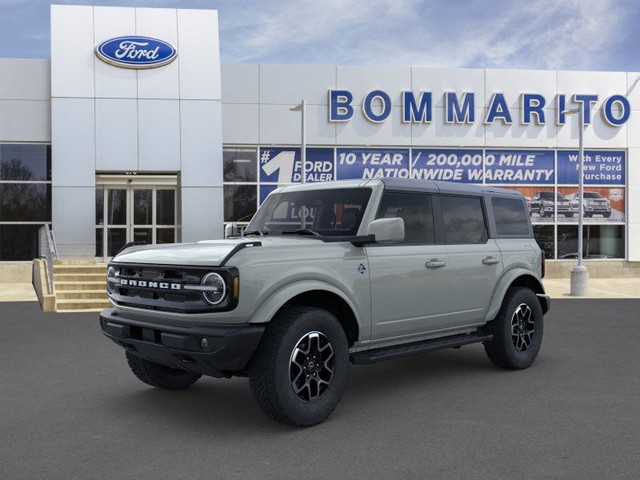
x=134 y=131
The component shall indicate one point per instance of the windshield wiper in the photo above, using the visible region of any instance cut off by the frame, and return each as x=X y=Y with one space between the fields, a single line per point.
x=301 y=231
x=255 y=232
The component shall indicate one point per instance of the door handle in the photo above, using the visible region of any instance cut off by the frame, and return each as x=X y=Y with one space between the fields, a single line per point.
x=490 y=260
x=435 y=263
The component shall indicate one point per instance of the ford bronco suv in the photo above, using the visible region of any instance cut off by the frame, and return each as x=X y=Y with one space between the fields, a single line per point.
x=325 y=274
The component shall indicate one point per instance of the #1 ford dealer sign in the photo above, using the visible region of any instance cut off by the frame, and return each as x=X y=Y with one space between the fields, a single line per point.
x=136 y=52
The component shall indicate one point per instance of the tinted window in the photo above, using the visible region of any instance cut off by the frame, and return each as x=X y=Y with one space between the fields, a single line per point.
x=25 y=162
x=18 y=242
x=239 y=202
x=463 y=219
x=25 y=202
x=511 y=216
x=415 y=210
x=239 y=164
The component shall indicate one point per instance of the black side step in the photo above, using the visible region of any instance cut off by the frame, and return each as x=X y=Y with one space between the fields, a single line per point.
x=398 y=351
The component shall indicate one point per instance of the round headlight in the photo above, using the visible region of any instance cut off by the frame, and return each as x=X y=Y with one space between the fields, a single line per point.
x=111 y=277
x=214 y=289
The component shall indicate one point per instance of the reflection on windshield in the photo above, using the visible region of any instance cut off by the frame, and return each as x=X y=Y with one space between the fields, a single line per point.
x=330 y=212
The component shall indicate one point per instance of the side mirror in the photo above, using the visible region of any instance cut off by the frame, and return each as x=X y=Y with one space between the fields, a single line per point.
x=231 y=230
x=387 y=230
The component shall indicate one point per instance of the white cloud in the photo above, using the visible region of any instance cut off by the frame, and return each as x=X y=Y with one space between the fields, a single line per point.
x=547 y=34
x=535 y=34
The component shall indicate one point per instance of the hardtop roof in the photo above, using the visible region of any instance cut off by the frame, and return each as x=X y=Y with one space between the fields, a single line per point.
x=409 y=185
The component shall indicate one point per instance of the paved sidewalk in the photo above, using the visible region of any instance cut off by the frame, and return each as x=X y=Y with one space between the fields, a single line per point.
x=598 y=288
x=17 y=292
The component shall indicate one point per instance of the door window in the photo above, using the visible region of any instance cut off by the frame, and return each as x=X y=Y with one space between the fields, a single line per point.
x=415 y=210
x=463 y=219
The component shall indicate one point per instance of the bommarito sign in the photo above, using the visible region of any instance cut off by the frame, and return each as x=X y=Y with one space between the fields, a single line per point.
x=459 y=108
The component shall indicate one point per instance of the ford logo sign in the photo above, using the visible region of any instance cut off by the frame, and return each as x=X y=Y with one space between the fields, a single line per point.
x=136 y=52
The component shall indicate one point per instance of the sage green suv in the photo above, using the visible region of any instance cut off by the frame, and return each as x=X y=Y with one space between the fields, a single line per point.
x=326 y=274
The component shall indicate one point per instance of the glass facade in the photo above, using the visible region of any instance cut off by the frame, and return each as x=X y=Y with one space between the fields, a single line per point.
x=25 y=198
x=547 y=178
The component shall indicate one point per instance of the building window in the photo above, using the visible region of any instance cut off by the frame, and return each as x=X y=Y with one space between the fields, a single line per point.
x=599 y=241
x=240 y=177
x=240 y=202
x=239 y=164
x=25 y=199
x=546 y=177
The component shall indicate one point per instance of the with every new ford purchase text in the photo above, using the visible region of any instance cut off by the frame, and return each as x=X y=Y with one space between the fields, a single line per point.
x=326 y=274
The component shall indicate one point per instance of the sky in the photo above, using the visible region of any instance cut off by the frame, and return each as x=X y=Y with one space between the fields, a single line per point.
x=531 y=34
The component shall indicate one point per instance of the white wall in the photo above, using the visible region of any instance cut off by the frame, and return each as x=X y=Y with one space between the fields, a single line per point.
x=263 y=94
x=107 y=119
x=25 y=100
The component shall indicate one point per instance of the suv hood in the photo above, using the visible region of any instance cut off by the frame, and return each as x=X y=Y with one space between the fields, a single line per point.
x=204 y=253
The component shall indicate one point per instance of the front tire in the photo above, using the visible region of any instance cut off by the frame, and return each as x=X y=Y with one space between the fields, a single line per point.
x=517 y=330
x=160 y=376
x=301 y=366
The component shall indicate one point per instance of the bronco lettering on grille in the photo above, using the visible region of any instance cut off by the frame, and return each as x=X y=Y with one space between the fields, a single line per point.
x=148 y=284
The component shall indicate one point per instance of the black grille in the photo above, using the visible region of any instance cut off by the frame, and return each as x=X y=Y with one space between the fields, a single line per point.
x=167 y=299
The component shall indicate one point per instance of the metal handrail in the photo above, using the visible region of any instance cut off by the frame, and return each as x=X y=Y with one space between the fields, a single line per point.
x=49 y=251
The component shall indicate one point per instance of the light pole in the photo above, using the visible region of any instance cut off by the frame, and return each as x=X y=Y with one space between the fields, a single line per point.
x=302 y=107
x=580 y=274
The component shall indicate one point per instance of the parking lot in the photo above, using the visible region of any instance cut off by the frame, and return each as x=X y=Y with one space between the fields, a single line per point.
x=70 y=408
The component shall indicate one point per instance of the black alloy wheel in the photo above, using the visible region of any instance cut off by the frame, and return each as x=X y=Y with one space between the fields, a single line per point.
x=517 y=330
x=311 y=366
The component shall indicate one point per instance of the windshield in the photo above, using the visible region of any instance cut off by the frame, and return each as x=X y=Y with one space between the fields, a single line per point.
x=549 y=196
x=592 y=195
x=326 y=212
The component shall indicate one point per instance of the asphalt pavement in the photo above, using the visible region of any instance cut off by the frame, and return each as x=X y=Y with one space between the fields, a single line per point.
x=71 y=409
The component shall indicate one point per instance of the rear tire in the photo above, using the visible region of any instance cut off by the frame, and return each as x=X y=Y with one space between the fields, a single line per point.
x=517 y=330
x=301 y=366
x=160 y=376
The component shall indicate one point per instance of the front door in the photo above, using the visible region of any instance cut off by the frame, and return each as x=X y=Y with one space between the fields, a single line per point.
x=409 y=282
x=133 y=212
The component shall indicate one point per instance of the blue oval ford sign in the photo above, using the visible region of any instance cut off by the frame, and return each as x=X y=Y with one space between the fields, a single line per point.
x=136 y=52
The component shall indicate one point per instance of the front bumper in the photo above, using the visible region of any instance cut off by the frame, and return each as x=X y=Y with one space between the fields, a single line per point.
x=216 y=351
x=597 y=209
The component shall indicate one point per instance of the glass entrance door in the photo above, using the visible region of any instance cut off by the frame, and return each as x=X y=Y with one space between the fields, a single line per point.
x=133 y=213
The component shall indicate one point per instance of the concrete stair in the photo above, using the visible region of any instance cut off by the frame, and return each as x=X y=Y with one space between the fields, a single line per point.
x=80 y=286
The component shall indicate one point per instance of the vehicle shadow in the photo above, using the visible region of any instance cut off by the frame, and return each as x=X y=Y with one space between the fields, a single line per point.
x=228 y=405
x=429 y=369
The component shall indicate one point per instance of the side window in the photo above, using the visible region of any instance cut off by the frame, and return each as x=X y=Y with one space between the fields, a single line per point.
x=463 y=219
x=415 y=210
x=511 y=216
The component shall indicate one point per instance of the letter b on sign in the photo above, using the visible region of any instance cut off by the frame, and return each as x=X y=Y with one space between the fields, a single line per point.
x=340 y=109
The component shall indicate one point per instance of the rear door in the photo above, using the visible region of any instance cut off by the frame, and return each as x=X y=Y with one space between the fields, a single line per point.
x=474 y=259
x=409 y=281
